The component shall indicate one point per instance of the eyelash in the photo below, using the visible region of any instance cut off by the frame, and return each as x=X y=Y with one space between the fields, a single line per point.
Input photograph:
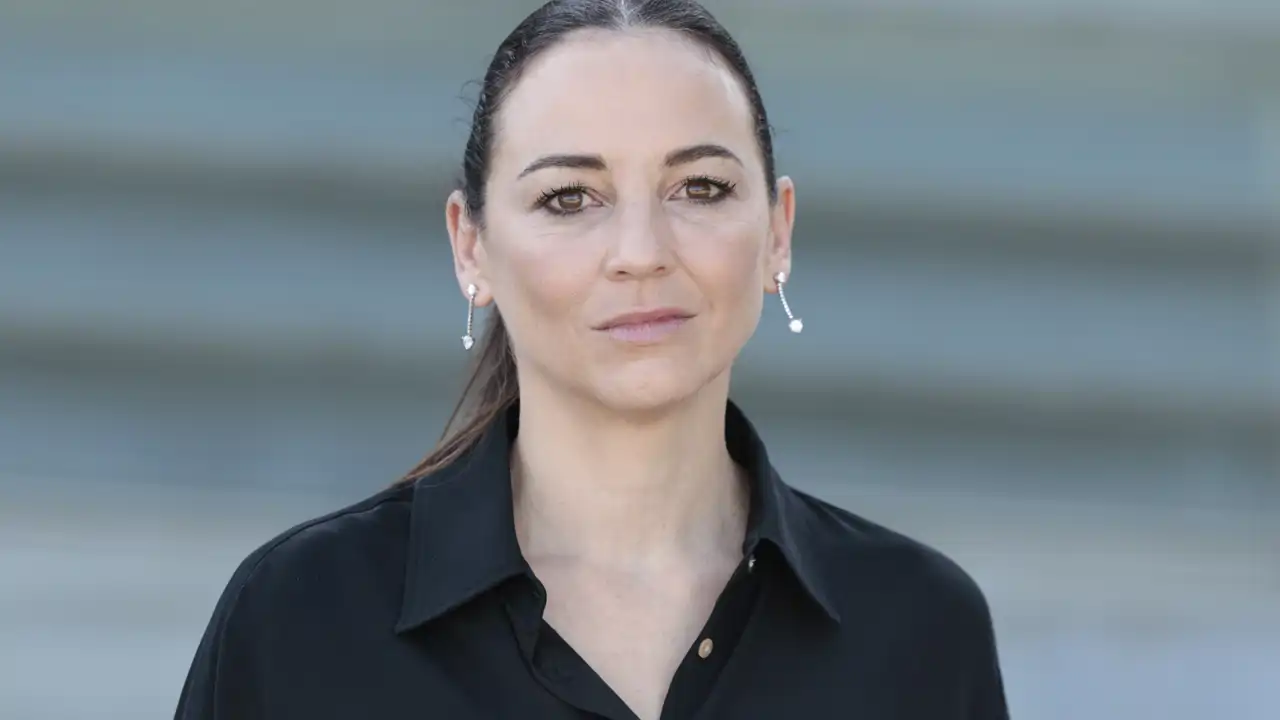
x=544 y=200
x=725 y=188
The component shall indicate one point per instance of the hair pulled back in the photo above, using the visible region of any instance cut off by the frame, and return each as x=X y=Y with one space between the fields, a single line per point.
x=492 y=386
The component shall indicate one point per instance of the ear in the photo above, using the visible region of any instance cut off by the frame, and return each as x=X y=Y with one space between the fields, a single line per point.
x=468 y=251
x=782 y=221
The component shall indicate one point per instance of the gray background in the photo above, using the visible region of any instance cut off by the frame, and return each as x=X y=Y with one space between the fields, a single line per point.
x=1038 y=258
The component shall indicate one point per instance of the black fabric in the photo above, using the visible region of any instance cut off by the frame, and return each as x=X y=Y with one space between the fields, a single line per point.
x=417 y=603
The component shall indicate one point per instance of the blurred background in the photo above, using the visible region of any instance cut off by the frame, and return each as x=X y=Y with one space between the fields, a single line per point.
x=1038 y=258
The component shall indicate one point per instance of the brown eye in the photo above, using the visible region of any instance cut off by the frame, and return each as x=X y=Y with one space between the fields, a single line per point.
x=706 y=190
x=700 y=190
x=570 y=201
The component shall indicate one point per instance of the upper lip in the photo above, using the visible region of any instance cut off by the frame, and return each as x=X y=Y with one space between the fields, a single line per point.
x=645 y=316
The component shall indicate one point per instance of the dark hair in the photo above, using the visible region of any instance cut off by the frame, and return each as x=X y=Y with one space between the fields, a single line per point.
x=492 y=387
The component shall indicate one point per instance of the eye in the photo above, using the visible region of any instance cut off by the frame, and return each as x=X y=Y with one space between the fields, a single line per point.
x=571 y=201
x=706 y=189
x=568 y=200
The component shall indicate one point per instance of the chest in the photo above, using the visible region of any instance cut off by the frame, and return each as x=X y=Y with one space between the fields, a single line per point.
x=461 y=677
x=500 y=657
x=634 y=632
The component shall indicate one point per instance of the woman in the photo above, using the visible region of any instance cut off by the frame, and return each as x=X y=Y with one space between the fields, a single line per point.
x=603 y=535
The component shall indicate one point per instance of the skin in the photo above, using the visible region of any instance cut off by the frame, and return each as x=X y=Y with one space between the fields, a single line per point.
x=628 y=506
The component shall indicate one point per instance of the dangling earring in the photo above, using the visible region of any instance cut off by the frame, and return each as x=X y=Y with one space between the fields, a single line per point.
x=796 y=323
x=467 y=340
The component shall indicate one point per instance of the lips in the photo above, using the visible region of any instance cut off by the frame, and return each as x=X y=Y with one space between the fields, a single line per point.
x=645 y=327
x=646 y=317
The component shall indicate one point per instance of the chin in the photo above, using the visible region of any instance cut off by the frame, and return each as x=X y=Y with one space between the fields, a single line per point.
x=650 y=390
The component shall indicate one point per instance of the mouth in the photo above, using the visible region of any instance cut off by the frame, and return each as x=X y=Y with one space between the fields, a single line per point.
x=647 y=326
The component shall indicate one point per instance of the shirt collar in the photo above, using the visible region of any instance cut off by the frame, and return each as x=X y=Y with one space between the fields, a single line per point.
x=462 y=537
x=779 y=515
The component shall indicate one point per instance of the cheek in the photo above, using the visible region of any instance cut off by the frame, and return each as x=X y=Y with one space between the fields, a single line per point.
x=540 y=278
x=728 y=263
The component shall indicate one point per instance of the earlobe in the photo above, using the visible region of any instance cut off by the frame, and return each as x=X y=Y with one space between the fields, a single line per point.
x=482 y=296
x=771 y=282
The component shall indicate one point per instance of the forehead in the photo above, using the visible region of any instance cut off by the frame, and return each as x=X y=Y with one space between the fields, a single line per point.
x=621 y=94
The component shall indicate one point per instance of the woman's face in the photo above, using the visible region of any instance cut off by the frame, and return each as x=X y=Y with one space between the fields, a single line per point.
x=629 y=236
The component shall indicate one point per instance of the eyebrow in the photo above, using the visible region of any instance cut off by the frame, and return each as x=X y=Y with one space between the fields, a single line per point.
x=595 y=162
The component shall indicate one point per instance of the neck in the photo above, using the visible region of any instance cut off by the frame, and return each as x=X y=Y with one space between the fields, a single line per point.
x=598 y=487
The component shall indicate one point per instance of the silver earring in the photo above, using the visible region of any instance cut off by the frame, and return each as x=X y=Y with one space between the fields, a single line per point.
x=796 y=323
x=467 y=340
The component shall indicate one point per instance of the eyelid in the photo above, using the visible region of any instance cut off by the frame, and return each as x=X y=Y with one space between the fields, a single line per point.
x=550 y=194
x=725 y=186
x=547 y=197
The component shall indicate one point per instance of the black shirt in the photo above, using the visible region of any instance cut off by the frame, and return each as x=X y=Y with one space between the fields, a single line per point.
x=417 y=603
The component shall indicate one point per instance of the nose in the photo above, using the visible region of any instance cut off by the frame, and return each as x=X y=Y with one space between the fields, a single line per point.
x=642 y=245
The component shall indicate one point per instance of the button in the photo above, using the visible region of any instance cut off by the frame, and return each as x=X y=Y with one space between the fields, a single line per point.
x=705 y=647
x=751 y=563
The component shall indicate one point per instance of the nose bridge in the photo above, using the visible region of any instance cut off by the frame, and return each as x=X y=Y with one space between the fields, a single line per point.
x=641 y=237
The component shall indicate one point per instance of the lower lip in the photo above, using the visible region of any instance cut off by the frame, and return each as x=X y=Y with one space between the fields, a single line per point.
x=646 y=332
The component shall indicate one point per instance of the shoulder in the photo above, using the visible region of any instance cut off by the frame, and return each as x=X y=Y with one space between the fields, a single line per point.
x=310 y=578
x=915 y=607
x=864 y=562
x=362 y=544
